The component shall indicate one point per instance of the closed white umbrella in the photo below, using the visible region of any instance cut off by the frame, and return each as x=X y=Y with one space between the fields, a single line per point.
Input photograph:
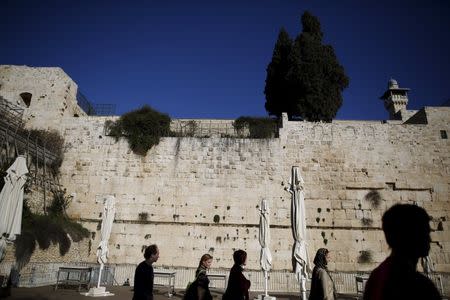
x=109 y=211
x=298 y=220
x=264 y=240
x=11 y=202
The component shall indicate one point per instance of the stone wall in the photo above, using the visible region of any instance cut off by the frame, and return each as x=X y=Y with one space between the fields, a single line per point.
x=343 y=162
x=53 y=94
x=197 y=195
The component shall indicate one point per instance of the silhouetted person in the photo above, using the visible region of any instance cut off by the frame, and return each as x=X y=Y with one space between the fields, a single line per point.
x=238 y=285
x=407 y=231
x=322 y=285
x=143 y=277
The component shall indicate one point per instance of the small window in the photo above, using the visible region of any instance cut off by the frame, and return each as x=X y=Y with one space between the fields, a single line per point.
x=444 y=134
x=26 y=97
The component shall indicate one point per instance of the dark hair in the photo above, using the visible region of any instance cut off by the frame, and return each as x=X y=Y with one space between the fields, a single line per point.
x=150 y=250
x=320 y=259
x=406 y=227
x=239 y=257
x=204 y=257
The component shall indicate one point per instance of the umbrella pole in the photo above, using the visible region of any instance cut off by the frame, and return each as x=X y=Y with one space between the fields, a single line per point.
x=303 y=287
x=265 y=283
x=100 y=275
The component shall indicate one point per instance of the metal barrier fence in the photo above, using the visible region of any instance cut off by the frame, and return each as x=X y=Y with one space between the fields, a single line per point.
x=10 y=112
x=94 y=109
x=85 y=104
x=214 y=128
x=40 y=274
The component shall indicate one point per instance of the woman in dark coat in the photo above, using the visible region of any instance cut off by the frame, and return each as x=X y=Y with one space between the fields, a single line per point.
x=322 y=285
x=238 y=285
x=199 y=289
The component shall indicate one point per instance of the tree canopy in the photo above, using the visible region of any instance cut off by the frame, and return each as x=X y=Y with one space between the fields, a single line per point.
x=276 y=83
x=304 y=77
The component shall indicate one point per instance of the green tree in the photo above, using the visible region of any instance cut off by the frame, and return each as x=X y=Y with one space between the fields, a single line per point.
x=276 y=89
x=314 y=81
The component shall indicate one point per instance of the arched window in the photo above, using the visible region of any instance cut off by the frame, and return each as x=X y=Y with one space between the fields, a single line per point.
x=26 y=97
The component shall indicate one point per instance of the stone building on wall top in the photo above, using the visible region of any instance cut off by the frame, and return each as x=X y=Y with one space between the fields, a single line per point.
x=195 y=195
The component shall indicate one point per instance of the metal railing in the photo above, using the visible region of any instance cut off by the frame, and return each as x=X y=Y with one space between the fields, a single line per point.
x=212 y=128
x=11 y=113
x=15 y=141
x=40 y=274
x=85 y=104
x=94 y=109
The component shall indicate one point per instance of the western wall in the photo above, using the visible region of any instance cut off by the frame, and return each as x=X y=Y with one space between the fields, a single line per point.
x=195 y=195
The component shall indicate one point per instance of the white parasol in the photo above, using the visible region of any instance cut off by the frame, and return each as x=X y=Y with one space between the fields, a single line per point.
x=300 y=254
x=264 y=240
x=109 y=211
x=11 y=202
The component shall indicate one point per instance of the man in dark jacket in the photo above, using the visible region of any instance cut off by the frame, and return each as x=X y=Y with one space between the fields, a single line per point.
x=143 y=277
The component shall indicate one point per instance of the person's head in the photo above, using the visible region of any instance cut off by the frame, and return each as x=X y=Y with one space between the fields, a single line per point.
x=321 y=258
x=151 y=253
x=205 y=261
x=240 y=257
x=407 y=230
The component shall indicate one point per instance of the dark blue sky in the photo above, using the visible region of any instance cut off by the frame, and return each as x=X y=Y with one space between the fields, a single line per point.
x=208 y=59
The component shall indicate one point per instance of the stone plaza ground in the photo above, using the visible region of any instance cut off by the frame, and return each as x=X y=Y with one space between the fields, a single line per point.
x=120 y=293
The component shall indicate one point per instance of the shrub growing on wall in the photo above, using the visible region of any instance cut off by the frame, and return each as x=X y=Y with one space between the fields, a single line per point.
x=143 y=128
x=365 y=256
x=44 y=230
x=51 y=140
x=60 y=203
x=259 y=128
x=374 y=198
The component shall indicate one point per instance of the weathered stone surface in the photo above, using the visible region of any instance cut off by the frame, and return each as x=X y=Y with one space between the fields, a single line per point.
x=202 y=194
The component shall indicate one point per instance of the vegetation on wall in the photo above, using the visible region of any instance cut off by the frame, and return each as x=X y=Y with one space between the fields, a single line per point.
x=304 y=77
x=44 y=230
x=259 y=128
x=143 y=216
x=366 y=221
x=374 y=198
x=365 y=256
x=143 y=128
x=52 y=141
x=59 y=203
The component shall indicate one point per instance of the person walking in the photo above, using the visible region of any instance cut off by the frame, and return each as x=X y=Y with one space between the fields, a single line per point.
x=407 y=231
x=143 y=276
x=238 y=285
x=322 y=285
x=199 y=289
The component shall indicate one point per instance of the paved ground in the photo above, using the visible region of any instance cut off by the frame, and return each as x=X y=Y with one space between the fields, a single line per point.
x=120 y=292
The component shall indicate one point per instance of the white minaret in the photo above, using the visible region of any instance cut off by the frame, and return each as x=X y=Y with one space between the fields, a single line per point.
x=395 y=100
